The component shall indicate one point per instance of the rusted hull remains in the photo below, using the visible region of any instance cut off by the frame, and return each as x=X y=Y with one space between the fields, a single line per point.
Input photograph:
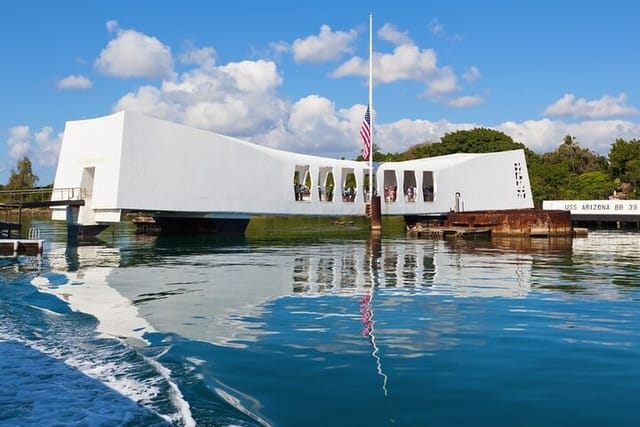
x=516 y=222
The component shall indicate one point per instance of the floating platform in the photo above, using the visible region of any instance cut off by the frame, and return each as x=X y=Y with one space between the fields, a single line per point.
x=21 y=246
x=500 y=223
x=438 y=232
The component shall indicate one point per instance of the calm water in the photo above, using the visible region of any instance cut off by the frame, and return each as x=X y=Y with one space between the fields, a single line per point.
x=346 y=331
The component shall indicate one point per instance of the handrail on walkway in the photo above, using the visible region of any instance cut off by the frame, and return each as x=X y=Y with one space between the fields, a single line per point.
x=43 y=194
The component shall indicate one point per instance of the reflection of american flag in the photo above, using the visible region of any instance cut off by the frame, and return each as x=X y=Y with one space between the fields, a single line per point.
x=365 y=133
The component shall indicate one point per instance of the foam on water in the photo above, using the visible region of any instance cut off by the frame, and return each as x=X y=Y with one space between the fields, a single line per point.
x=38 y=388
x=56 y=366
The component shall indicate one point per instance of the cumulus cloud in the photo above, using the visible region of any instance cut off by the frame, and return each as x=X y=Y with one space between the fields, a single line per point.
x=241 y=99
x=19 y=142
x=389 y=33
x=47 y=145
x=407 y=62
x=74 y=81
x=314 y=126
x=398 y=136
x=231 y=98
x=545 y=135
x=607 y=106
x=228 y=98
x=134 y=54
x=327 y=46
x=204 y=57
x=445 y=81
x=465 y=101
x=279 y=48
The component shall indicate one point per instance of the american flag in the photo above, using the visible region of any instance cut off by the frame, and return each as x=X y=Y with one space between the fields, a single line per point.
x=365 y=133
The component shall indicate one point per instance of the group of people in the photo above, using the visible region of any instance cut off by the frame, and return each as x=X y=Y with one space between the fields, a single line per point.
x=390 y=193
x=427 y=192
x=348 y=194
x=302 y=192
x=410 y=193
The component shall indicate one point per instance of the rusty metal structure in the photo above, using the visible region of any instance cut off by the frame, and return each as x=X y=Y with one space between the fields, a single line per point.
x=516 y=222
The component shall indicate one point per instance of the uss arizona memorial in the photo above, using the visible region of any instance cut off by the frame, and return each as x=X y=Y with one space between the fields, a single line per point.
x=182 y=176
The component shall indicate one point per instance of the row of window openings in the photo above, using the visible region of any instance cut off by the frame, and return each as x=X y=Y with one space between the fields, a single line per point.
x=347 y=192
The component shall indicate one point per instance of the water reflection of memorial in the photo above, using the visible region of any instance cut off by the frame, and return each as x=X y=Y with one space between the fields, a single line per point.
x=457 y=268
x=208 y=291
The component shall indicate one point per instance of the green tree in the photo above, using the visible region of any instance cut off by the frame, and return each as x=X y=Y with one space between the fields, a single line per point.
x=624 y=165
x=22 y=177
x=576 y=159
x=478 y=140
x=593 y=185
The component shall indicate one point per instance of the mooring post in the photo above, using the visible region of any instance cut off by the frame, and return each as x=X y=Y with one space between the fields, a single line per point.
x=376 y=213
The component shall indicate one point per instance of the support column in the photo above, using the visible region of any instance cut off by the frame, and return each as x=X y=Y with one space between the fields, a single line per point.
x=72 y=224
x=376 y=213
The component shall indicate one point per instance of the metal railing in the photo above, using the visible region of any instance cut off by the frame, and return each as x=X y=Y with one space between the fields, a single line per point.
x=43 y=195
x=34 y=233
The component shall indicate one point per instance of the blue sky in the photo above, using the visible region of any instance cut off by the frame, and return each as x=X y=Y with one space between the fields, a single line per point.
x=293 y=75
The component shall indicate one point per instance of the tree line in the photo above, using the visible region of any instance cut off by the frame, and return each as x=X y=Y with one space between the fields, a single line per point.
x=570 y=172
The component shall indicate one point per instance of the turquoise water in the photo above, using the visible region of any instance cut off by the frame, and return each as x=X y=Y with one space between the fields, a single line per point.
x=134 y=330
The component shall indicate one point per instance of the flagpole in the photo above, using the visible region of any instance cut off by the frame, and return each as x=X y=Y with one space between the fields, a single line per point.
x=371 y=106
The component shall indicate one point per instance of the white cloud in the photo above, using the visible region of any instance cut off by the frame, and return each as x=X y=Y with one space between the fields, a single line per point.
x=74 y=81
x=238 y=99
x=472 y=74
x=151 y=101
x=278 y=48
x=133 y=54
x=19 y=142
x=398 y=136
x=241 y=99
x=546 y=135
x=445 y=81
x=389 y=33
x=326 y=46
x=253 y=76
x=112 y=25
x=465 y=101
x=607 y=106
x=406 y=62
x=314 y=126
x=47 y=146
x=204 y=57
